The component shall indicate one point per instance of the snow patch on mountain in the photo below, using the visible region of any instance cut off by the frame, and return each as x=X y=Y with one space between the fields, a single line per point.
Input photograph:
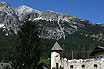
x=62 y=29
x=1 y=25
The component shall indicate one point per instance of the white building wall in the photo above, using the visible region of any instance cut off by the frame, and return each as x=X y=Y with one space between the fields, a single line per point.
x=55 y=58
x=77 y=64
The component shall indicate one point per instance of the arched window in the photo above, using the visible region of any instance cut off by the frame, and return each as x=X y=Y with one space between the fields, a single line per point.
x=71 y=66
x=83 y=66
x=1 y=64
x=95 y=65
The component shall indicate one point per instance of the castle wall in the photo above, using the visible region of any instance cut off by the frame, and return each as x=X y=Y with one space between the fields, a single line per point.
x=82 y=64
x=59 y=63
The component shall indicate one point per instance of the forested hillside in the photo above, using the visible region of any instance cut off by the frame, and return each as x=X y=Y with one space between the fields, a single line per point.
x=6 y=44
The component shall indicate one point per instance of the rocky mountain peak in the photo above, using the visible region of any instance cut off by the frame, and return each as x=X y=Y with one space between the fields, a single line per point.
x=5 y=7
x=51 y=15
x=22 y=10
x=4 y=4
x=52 y=25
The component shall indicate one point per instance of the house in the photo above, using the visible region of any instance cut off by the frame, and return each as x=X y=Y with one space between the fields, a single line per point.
x=98 y=52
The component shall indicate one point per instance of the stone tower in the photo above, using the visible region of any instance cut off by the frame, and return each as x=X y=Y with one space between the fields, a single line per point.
x=55 y=56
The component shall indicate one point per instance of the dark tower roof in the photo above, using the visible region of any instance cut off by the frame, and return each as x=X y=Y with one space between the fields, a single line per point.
x=56 y=47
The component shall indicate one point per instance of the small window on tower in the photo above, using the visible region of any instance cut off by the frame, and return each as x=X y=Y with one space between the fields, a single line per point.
x=56 y=65
x=53 y=68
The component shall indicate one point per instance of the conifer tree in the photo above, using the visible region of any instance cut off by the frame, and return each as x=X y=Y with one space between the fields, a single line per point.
x=27 y=50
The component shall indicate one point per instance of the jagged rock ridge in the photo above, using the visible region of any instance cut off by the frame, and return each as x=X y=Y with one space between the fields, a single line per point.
x=52 y=25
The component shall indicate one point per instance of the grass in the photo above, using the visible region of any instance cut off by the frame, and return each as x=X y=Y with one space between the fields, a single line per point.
x=45 y=61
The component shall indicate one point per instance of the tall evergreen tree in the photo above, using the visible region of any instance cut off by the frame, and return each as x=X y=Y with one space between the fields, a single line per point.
x=27 y=50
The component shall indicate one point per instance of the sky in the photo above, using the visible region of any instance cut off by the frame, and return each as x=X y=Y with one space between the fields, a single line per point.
x=85 y=9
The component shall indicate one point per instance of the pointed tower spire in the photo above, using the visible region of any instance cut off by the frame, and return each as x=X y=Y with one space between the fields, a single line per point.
x=56 y=47
x=55 y=56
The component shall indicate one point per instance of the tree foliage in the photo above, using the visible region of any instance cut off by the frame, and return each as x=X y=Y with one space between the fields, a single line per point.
x=27 y=50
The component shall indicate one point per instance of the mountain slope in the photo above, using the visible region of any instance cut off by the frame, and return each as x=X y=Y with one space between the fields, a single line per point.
x=52 y=25
x=71 y=32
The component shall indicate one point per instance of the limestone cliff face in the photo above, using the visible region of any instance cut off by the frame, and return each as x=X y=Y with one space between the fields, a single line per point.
x=52 y=25
x=23 y=11
x=51 y=15
x=7 y=8
x=8 y=18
